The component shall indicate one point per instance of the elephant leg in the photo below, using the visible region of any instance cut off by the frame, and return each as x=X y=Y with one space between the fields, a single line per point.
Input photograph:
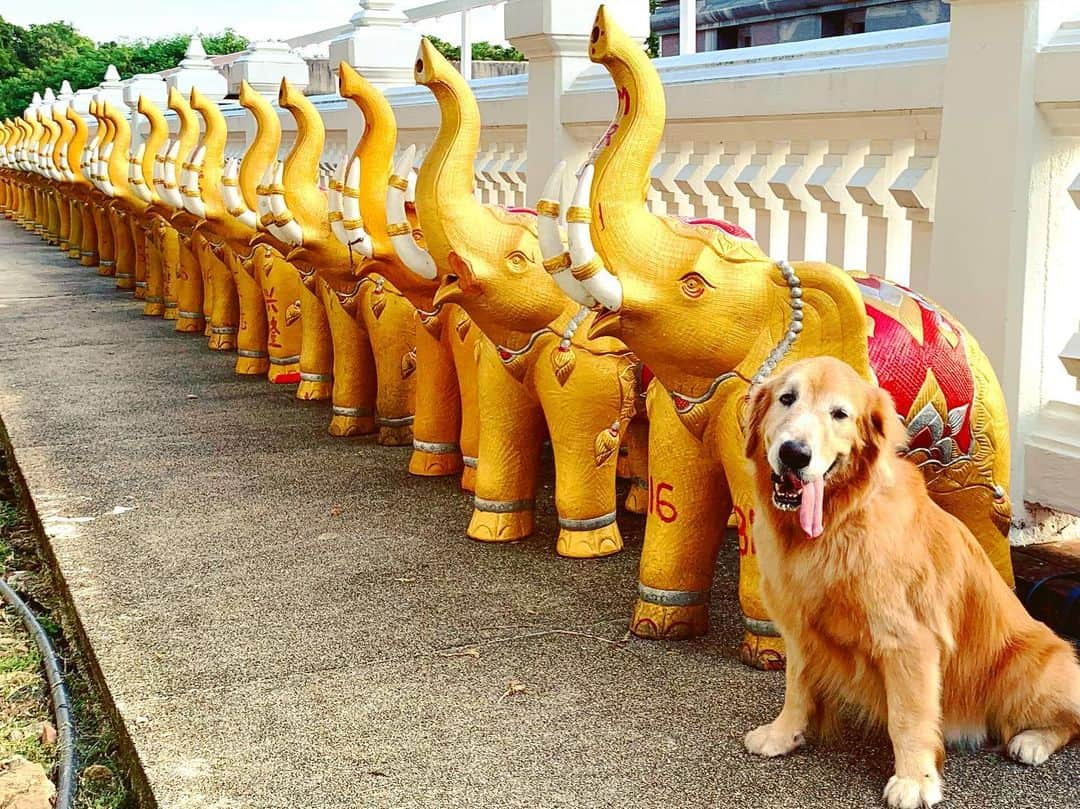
x=316 y=349
x=688 y=505
x=355 y=380
x=125 y=251
x=88 y=254
x=75 y=236
x=437 y=426
x=583 y=421
x=511 y=433
x=106 y=243
x=252 y=357
x=280 y=289
x=465 y=341
x=225 y=321
x=138 y=241
x=170 y=266
x=187 y=309
x=390 y=322
x=154 y=300
x=63 y=214
x=636 y=464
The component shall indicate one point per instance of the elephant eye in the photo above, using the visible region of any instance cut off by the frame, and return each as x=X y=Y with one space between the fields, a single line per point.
x=517 y=261
x=694 y=286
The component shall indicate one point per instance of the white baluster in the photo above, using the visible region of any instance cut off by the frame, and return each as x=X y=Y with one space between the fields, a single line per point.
x=914 y=190
x=770 y=218
x=845 y=240
x=690 y=179
x=720 y=180
x=485 y=182
x=513 y=184
x=674 y=200
x=806 y=221
x=888 y=233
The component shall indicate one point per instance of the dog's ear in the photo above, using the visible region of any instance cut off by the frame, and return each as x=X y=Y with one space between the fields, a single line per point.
x=760 y=400
x=881 y=426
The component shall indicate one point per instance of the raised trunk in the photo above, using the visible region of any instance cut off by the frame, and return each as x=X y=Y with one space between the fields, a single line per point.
x=264 y=147
x=300 y=177
x=622 y=229
x=444 y=185
x=155 y=138
x=376 y=153
x=118 y=157
x=214 y=158
x=188 y=135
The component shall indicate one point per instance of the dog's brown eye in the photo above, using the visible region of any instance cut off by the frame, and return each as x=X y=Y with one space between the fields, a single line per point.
x=839 y=413
x=787 y=399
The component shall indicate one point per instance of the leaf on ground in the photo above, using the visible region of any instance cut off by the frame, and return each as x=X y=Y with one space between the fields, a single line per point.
x=48 y=734
x=122 y=509
x=513 y=688
x=335 y=512
x=472 y=652
x=97 y=772
x=405 y=580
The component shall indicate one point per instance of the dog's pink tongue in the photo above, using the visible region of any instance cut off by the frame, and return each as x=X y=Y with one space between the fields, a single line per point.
x=811 y=508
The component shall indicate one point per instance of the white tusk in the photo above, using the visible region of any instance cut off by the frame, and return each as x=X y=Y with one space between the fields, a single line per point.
x=233 y=199
x=412 y=255
x=136 y=179
x=169 y=193
x=266 y=216
x=190 y=189
x=602 y=285
x=353 y=224
x=551 y=243
x=333 y=201
x=288 y=229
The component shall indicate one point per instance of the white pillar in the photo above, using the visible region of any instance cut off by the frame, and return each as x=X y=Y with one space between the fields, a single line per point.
x=687 y=27
x=554 y=36
x=379 y=46
x=989 y=251
x=466 y=46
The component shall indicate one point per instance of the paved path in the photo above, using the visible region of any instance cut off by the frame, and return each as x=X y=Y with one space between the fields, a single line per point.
x=279 y=617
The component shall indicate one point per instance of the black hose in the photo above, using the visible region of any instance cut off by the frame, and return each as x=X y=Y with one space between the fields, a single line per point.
x=65 y=725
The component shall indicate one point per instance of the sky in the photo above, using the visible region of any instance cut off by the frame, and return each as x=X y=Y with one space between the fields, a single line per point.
x=255 y=19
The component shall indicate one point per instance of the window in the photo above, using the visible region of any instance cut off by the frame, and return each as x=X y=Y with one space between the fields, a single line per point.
x=839 y=23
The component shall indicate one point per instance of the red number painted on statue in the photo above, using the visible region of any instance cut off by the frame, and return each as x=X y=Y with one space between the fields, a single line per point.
x=746 y=534
x=664 y=509
x=624 y=98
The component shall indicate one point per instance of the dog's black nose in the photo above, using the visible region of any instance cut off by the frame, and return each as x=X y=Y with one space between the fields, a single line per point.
x=795 y=454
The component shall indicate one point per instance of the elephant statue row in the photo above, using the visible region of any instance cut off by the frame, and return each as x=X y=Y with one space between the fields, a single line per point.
x=475 y=333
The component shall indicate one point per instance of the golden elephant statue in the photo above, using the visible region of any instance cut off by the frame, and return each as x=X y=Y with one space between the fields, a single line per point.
x=254 y=279
x=446 y=426
x=371 y=324
x=539 y=371
x=710 y=314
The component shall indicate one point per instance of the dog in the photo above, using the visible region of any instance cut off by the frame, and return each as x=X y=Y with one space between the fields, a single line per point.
x=886 y=603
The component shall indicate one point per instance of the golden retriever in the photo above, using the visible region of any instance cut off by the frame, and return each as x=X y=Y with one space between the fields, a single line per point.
x=886 y=603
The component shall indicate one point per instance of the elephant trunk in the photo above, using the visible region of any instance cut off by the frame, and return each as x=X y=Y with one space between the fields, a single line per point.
x=155 y=139
x=444 y=187
x=212 y=156
x=300 y=200
x=264 y=147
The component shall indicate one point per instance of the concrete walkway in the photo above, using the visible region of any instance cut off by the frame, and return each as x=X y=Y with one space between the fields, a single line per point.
x=281 y=617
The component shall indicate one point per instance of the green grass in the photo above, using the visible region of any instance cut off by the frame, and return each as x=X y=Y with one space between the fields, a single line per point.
x=24 y=701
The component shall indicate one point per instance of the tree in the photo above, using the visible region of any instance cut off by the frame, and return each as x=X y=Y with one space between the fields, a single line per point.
x=481 y=51
x=41 y=56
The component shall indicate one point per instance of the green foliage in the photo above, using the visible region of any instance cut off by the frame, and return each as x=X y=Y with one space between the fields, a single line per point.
x=481 y=51
x=652 y=44
x=41 y=56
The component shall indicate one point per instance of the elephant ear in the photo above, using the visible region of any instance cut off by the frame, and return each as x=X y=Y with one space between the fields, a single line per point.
x=835 y=319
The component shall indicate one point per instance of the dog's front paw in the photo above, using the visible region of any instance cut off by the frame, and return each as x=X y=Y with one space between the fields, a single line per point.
x=1030 y=747
x=912 y=793
x=769 y=740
